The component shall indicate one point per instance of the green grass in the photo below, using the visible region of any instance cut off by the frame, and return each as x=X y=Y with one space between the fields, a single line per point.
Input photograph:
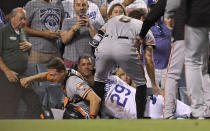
x=104 y=125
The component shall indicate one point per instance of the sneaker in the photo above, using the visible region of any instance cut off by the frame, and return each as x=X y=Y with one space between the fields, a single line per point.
x=171 y=117
x=199 y=118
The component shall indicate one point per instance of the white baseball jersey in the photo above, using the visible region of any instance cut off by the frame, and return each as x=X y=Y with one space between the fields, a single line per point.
x=120 y=102
x=93 y=11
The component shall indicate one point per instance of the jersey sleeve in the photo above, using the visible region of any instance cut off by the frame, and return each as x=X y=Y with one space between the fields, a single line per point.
x=77 y=86
x=149 y=39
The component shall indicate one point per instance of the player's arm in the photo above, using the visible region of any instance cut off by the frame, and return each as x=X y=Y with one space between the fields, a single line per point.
x=148 y=52
x=156 y=12
x=39 y=77
x=94 y=103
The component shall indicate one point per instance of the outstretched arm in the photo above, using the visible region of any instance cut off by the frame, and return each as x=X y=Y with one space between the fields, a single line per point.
x=39 y=77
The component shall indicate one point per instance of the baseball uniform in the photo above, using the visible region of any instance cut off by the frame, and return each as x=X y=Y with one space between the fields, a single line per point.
x=121 y=32
x=119 y=102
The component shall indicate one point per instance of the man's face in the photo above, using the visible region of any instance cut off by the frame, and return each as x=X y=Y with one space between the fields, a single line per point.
x=55 y=76
x=18 y=21
x=85 y=67
x=80 y=6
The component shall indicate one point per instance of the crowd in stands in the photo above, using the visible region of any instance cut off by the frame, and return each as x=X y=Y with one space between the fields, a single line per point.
x=49 y=69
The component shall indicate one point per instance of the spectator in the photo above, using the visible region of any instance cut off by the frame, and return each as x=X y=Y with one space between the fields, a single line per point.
x=116 y=10
x=105 y=8
x=76 y=33
x=2 y=18
x=92 y=11
x=130 y=4
x=14 y=51
x=43 y=23
x=76 y=87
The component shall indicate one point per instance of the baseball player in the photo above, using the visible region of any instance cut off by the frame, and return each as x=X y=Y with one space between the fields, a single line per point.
x=119 y=102
x=75 y=87
x=121 y=32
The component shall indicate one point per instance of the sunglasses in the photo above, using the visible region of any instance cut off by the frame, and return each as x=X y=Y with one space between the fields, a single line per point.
x=160 y=29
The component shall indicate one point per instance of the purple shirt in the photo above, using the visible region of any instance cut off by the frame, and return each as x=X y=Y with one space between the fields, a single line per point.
x=163 y=45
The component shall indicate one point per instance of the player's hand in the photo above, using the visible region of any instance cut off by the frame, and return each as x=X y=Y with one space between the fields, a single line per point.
x=25 y=45
x=157 y=90
x=25 y=82
x=51 y=34
x=11 y=76
x=169 y=23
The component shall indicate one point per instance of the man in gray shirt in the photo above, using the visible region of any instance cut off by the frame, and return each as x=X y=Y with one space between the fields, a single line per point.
x=44 y=18
x=76 y=33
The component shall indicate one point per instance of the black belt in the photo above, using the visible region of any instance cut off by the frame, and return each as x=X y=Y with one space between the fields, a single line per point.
x=122 y=37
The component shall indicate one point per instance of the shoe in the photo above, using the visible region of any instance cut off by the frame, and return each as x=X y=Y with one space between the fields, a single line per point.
x=171 y=117
x=199 y=118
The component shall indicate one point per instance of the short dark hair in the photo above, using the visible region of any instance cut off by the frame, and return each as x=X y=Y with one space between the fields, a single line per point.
x=56 y=63
x=138 y=13
x=85 y=56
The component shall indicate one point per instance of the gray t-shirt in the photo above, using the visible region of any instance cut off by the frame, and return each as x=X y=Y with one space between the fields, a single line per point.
x=79 y=43
x=77 y=89
x=44 y=16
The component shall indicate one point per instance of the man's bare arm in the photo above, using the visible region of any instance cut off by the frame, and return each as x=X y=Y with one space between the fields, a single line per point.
x=39 y=77
x=94 y=103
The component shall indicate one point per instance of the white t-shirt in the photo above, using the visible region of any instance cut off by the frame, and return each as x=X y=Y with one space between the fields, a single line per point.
x=134 y=5
x=93 y=11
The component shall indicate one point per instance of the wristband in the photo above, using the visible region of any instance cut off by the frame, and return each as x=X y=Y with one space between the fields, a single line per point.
x=92 y=116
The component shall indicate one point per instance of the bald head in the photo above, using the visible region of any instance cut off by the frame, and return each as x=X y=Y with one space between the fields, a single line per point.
x=18 y=17
x=17 y=10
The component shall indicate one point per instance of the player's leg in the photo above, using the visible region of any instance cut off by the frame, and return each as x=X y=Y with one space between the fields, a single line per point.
x=174 y=70
x=197 y=44
x=206 y=79
x=135 y=71
x=103 y=65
